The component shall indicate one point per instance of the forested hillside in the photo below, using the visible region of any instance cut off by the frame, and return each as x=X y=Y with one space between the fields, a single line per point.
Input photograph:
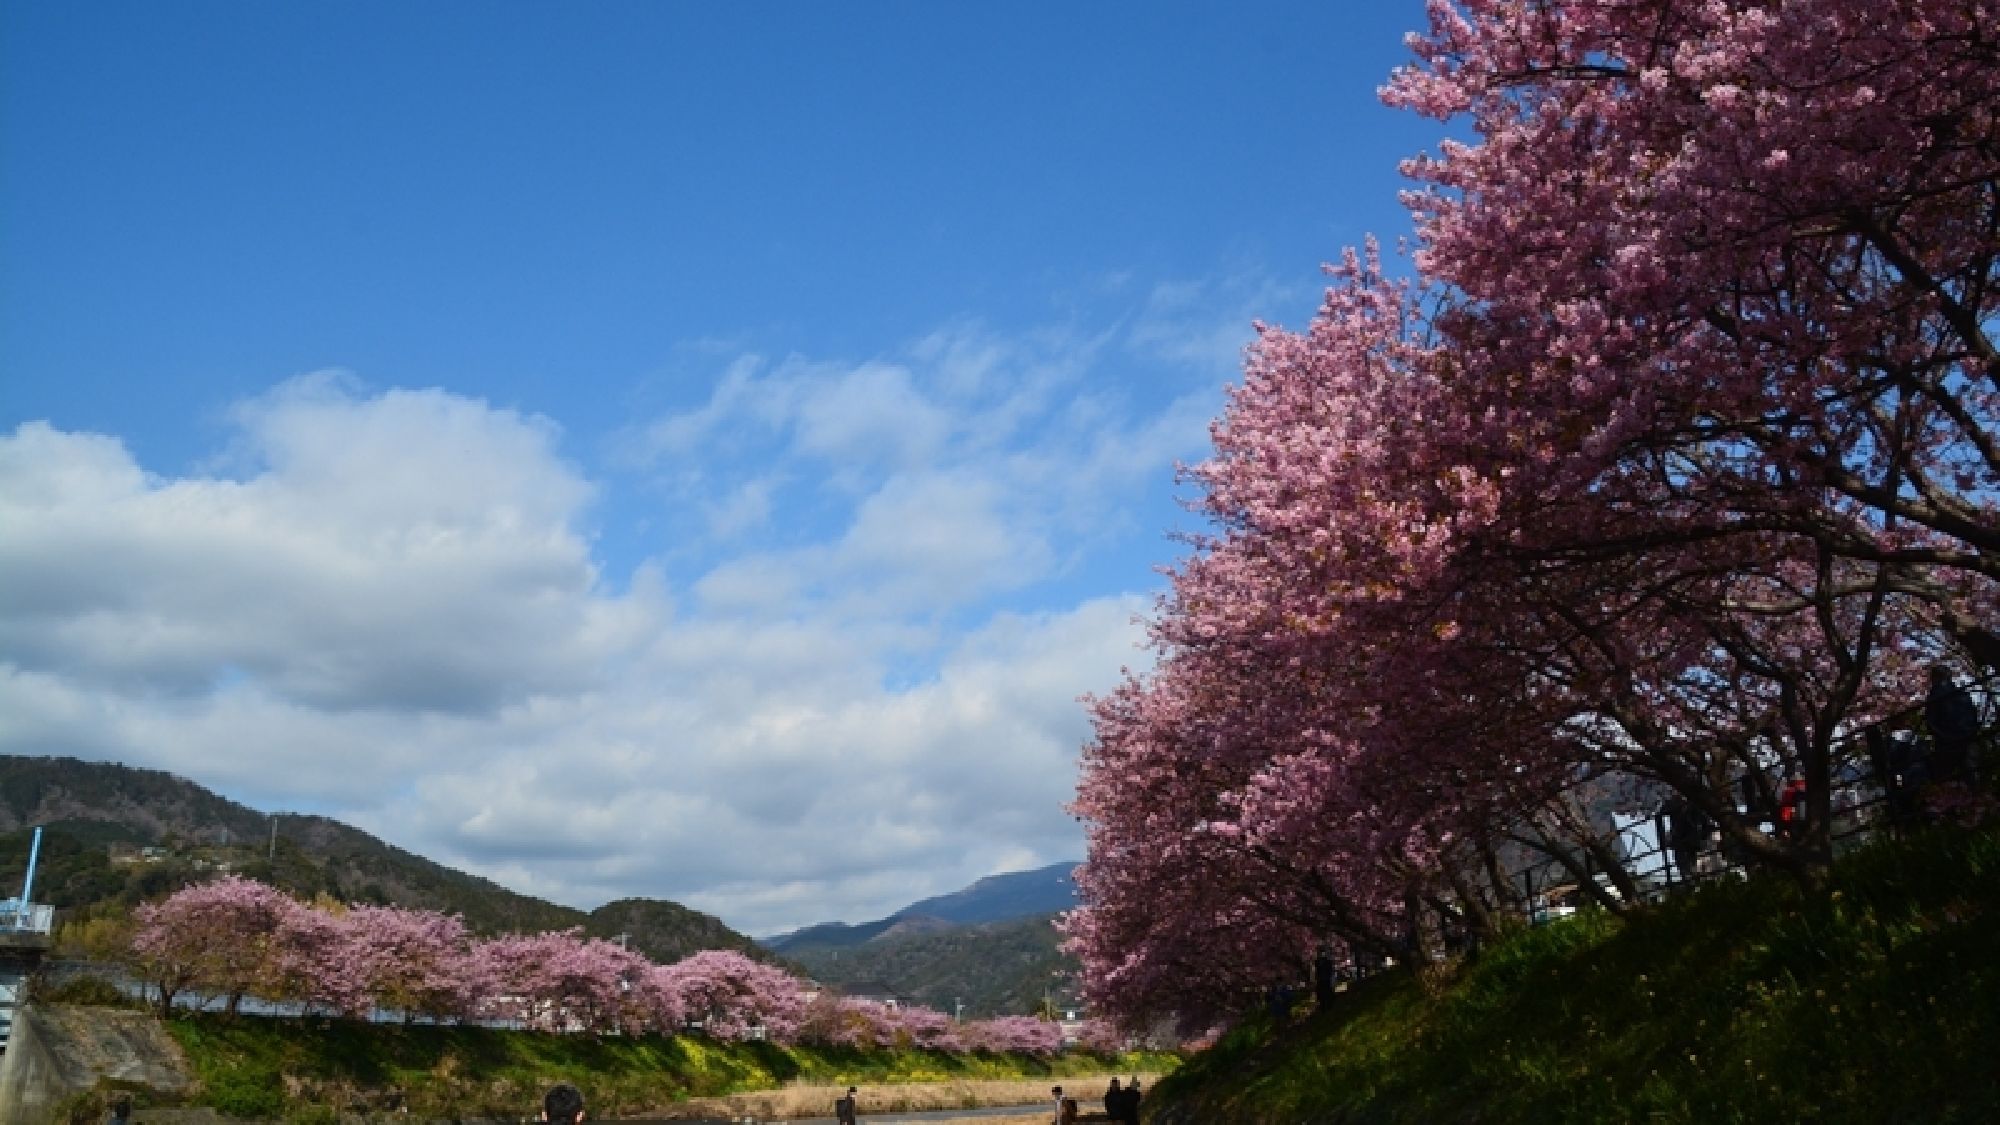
x=98 y=817
x=999 y=968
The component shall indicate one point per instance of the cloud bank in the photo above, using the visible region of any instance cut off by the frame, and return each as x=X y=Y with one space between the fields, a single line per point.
x=847 y=678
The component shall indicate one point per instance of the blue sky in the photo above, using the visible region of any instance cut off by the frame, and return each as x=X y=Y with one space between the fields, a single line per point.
x=747 y=428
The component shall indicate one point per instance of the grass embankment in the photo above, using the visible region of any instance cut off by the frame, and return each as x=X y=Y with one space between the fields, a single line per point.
x=312 y=1071
x=1875 y=999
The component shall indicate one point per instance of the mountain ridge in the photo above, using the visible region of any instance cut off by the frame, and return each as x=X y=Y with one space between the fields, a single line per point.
x=1004 y=897
x=91 y=810
x=989 y=949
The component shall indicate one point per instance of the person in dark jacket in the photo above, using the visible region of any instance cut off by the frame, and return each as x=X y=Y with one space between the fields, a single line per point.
x=1684 y=828
x=843 y=1109
x=1323 y=978
x=1953 y=720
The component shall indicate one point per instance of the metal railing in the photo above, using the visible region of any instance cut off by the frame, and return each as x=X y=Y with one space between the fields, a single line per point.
x=1864 y=805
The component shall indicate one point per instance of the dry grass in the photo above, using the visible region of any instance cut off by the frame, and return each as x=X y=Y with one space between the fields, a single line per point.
x=817 y=1101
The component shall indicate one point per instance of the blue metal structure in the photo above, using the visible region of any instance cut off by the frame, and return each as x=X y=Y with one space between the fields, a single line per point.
x=28 y=883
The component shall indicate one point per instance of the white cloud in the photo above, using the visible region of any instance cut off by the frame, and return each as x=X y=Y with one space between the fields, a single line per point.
x=387 y=607
x=1205 y=325
x=819 y=787
x=391 y=607
x=746 y=508
x=411 y=551
x=867 y=414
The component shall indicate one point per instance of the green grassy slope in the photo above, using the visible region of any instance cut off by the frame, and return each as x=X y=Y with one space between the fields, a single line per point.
x=309 y=1071
x=1873 y=1000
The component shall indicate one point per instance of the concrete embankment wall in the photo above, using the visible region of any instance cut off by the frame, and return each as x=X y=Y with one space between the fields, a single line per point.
x=58 y=1051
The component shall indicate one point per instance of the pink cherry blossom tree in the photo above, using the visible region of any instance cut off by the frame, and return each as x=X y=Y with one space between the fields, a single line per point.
x=1668 y=471
x=317 y=964
x=218 y=936
x=560 y=981
x=833 y=1020
x=732 y=996
x=412 y=961
x=927 y=1029
x=1019 y=1035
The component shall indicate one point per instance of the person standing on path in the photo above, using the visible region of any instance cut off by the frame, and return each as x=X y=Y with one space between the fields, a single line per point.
x=843 y=1109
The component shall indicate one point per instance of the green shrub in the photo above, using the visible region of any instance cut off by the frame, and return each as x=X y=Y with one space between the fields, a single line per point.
x=246 y=1093
x=312 y=1114
x=95 y=991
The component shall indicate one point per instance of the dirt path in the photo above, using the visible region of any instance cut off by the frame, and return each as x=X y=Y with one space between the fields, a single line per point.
x=803 y=1105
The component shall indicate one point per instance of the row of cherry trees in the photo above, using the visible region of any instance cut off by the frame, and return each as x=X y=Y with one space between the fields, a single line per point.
x=1668 y=462
x=234 y=938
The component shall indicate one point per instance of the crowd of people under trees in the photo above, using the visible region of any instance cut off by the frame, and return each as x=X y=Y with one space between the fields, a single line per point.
x=1662 y=479
x=233 y=938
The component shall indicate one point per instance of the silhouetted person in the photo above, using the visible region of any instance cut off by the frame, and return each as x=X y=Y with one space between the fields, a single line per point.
x=1953 y=720
x=1133 y=1095
x=1893 y=757
x=1323 y=978
x=1792 y=810
x=1280 y=1001
x=562 y=1105
x=1684 y=829
x=1756 y=804
x=1114 y=1101
x=843 y=1109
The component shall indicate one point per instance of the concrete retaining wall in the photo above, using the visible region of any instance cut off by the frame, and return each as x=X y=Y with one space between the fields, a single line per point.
x=58 y=1051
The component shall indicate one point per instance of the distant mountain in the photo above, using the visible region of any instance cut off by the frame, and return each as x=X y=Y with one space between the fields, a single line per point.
x=996 y=898
x=992 y=946
x=667 y=931
x=993 y=968
x=829 y=935
x=96 y=818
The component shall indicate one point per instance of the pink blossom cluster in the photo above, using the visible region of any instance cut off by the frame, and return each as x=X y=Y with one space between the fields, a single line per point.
x=1020 y=1035
x=234 y=938
x=847 y=1021
x=1668 y=469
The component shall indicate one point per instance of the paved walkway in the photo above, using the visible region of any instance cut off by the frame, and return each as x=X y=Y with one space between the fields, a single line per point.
x=1010 y=1101
x=991 y=1115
